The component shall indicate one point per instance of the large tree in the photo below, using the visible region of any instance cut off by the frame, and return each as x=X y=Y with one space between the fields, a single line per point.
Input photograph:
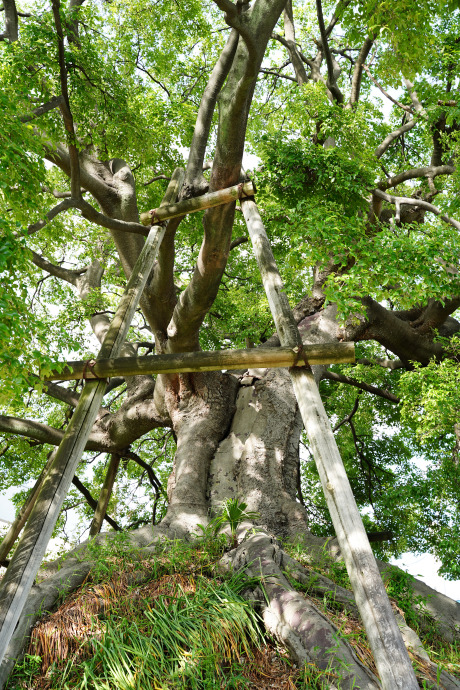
x=353 y=113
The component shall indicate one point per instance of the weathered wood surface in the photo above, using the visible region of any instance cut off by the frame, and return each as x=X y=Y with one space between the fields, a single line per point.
x=390 y=654
x=23 y=514
x=23 y=568
x=183 y=362
x=198 y=203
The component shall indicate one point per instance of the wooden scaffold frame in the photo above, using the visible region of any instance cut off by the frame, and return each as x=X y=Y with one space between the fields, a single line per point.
x=44 y=505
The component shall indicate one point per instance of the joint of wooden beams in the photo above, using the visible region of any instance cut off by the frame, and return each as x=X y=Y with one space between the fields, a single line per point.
x=185 y=362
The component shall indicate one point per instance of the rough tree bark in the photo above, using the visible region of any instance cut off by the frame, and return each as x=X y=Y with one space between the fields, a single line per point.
x=237 y=433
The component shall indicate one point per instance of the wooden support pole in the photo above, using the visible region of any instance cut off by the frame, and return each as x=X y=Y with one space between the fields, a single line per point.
x=104 y=497
x=23 y=515
x=21 y=572
x=198 y=203
x=183 y=362
x=390 y=654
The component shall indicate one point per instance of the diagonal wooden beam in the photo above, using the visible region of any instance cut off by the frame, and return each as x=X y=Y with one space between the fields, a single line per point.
x=22 y=570
x=390 y=654
x=183 y=362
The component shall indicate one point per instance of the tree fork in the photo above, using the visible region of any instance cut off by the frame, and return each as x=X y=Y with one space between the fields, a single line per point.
x=184 y=362
x=390 y=654
x=24 y=565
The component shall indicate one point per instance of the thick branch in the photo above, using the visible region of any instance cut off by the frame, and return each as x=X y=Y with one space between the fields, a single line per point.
x=194 y=173
x=53 y=103
x=390 y=138
x=331 y=80
x=161 y=291
x=59 y=208
x=11 y=32
x=234 y=104
x=73 y=36
x=342 y=4
x=95 y=176
x=289 y=32
x=391 y=364
x=429 y=172
x=341 y=378
x=40 y=432
x=358 y=70
x=93 y=503
x=70 y=276
x=419 y=203
x=57 y=392
x=65 y=106
x=418 y=107
x=90 y=213
x=397 y=335
x=235 y=19
x=238 y=241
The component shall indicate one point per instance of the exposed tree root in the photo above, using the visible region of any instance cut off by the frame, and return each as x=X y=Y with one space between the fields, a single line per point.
x=296 y=622
x=294 y=619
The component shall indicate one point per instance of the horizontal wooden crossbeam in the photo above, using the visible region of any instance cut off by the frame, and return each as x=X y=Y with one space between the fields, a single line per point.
x=183 y=362
x=198 y=203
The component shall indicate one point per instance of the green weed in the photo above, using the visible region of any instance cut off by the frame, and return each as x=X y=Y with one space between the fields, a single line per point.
x=183 y=642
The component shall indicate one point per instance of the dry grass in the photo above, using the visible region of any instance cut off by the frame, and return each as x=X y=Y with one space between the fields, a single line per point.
x=269 y=668
x=63 y=634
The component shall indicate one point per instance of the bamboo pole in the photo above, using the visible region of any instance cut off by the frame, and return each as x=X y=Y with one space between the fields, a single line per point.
x=198 y=203
x=22 y=570
x=390 y=654
x=184 y=362
x=105 y=494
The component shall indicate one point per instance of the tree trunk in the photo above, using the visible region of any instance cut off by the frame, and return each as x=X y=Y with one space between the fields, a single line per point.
x=258 y=460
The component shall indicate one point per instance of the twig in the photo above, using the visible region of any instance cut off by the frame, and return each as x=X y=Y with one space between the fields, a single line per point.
x=155 y=482
x=156 y=178
x=385 y=93
x=349 y=416
x=93 y=503
x=277 y=74
x=341 y=378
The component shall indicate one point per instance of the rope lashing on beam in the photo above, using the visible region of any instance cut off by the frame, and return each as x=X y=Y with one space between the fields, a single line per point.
x=89 y=365
x=300 y=355
x=155 y=219
x=242 y=194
